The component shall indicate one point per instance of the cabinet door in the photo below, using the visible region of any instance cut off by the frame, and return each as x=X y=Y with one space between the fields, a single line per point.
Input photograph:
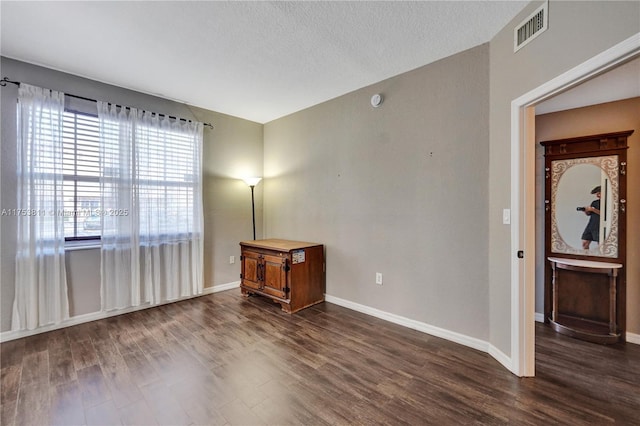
x=251 y=269
x=275 y=276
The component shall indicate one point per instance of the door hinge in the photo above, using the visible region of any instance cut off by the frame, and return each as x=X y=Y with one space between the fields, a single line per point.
x=240 y=257
x=286 y=268
x=286 y=290
x=240 y=276
x=520 y=254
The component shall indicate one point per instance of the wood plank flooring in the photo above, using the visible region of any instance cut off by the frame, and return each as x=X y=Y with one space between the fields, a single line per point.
x=223 y=359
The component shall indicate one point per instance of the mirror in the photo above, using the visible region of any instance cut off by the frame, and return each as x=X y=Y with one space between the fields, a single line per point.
x=584 y=202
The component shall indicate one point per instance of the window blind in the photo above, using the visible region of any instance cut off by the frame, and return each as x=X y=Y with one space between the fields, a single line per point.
x=166 y=175
x=81 y=171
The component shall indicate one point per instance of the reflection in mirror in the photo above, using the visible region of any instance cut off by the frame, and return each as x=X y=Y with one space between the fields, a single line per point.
x=580 y=206
x=584 y=200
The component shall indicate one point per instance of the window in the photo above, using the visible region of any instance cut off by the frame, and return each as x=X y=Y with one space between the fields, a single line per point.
x=81 y=176
x=157 y=171
x=167 y=178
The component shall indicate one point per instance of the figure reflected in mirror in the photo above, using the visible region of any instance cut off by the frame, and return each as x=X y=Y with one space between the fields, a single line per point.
x=592 y=231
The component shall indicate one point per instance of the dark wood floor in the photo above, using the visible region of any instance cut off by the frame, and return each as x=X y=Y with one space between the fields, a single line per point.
x=223 y=359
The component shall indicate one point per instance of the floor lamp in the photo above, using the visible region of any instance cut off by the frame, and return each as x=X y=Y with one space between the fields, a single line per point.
x=252 y=182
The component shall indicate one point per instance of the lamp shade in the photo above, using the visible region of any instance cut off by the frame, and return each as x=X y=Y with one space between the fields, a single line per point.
x=252 y=181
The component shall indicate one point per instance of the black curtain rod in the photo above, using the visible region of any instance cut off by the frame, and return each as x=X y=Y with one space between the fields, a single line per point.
x=5 y=80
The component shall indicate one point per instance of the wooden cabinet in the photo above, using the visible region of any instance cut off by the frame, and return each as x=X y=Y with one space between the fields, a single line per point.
x=584 y=299
x=289 y=272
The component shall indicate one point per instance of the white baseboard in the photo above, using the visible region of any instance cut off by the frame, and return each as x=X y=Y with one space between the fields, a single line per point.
x=462 y=339
x=93 y=316
x=501 y=357
x=221 y=287
x=633 y=338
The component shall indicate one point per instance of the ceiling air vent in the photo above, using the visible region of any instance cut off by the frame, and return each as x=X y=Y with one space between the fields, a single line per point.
x=531 y=27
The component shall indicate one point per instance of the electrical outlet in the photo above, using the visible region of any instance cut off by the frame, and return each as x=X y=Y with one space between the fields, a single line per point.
x=378 y=278
x=232 y=259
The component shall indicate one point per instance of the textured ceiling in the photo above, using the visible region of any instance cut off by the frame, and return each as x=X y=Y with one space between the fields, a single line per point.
x=255 y=60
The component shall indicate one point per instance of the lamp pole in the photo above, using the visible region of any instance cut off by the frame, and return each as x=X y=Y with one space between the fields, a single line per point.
x=253 y=212
x=252 y=182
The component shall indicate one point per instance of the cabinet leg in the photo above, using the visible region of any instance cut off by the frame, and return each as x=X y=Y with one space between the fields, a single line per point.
x=285 y=307
x=554 y=292
x=613 y=327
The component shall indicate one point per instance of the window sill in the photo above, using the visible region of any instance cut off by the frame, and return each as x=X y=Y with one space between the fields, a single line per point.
x=81 y=245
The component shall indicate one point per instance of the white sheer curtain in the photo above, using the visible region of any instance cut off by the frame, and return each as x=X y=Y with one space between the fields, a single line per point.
x=151 y=184
x=41 y=279
x=120 y=277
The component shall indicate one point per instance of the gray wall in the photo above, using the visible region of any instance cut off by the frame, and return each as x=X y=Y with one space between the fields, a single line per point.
x=577 y=31
x=364 y=182
x=232 y=150
x=401 y=189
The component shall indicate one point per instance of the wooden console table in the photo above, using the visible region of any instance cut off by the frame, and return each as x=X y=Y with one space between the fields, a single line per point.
x=288 y=272
x=580 y=306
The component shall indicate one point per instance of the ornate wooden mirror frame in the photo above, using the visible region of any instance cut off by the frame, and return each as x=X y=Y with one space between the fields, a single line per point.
x=585 y=288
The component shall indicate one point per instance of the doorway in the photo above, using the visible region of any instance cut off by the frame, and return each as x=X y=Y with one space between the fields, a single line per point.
x=523 y=203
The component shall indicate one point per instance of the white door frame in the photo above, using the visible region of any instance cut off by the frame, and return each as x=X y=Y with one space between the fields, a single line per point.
x=523 y=198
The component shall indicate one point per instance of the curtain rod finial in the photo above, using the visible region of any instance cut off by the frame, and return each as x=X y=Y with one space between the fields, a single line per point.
x=6 y=80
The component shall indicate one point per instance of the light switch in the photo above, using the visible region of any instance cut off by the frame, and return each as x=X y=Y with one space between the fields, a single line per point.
x=506 y=216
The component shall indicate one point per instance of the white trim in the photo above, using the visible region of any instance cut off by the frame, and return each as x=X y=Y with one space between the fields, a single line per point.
x=452 y=336
x=633 y=338
x=539 y=317
x=500 y=357
x=516 y=301
x=221 y=287
x=522 y=275
x=93 y=316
